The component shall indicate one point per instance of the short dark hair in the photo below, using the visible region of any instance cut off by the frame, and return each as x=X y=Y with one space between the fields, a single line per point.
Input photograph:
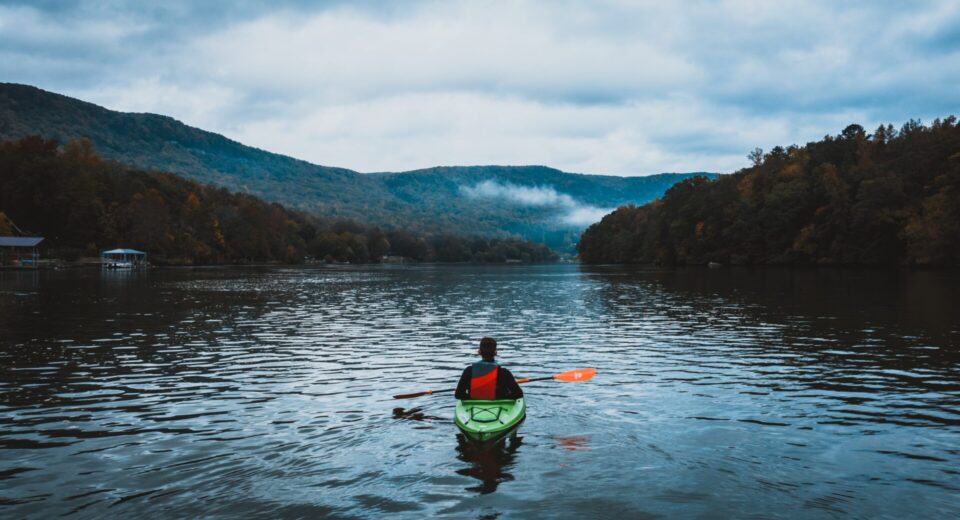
x=488 y=348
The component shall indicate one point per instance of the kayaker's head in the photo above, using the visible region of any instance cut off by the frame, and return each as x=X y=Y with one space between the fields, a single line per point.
x=488 y=349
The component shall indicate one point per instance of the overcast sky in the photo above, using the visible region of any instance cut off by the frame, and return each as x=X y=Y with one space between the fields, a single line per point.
x=623 y=88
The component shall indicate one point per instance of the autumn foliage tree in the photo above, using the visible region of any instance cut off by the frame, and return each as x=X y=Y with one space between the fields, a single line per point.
x=887 y=198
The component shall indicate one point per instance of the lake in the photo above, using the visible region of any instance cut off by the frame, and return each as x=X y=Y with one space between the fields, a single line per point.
x=265 y=391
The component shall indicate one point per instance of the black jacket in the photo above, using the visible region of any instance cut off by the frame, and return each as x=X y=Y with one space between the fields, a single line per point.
x=507 y=387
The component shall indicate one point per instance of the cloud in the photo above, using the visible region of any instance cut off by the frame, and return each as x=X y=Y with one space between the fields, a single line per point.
x=613 y=87
x=572 y=212
x=522 y=195
x=583 y=216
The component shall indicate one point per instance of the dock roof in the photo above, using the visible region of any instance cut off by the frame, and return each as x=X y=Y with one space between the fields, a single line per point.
x=123 y=252
x=20 y=241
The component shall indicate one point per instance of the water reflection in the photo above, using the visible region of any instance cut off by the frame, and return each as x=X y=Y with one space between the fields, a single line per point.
x=573 y=443
x=837 y=334
x=490 y=462
x=416 y=414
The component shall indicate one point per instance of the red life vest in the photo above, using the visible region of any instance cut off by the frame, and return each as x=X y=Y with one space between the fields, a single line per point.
x=483 y=381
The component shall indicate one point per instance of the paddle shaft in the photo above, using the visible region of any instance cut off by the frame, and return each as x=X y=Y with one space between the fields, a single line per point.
x=428 y=392
x=528 y=380
x=431 y=392
x=572 y=376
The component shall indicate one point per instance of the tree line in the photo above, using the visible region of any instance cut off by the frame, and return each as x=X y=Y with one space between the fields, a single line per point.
x=82 y=204
x=887 y=198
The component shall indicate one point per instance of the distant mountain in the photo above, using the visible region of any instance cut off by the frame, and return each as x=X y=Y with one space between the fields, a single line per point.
x=535 y=202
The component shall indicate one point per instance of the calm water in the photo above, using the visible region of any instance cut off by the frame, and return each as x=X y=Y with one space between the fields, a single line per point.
x=265 y=392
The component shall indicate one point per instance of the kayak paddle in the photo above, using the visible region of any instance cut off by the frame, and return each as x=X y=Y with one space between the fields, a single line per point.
x=579 y=375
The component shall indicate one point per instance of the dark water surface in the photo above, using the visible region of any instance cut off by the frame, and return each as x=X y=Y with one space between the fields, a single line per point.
x=265 y=392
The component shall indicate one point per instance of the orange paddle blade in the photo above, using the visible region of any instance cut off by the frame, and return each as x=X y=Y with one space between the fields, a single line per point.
x=577 y=376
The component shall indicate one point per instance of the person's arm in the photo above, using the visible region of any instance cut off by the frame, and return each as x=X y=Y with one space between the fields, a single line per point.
x=463 y=387
x=511 y=389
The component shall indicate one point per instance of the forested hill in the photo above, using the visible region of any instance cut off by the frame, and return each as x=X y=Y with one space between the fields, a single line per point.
x=536 y=202
x=83 y=204
x=887 y=198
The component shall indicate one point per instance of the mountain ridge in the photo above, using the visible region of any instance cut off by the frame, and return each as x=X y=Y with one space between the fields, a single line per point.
x=428 y=199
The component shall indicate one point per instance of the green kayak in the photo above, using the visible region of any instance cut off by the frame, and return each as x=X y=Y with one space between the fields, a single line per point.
x=488 y=420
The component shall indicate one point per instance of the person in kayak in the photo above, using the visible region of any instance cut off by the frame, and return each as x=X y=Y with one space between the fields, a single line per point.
x=486 y=380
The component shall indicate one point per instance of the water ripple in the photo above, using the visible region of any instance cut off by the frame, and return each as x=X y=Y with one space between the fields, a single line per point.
x=265 y=392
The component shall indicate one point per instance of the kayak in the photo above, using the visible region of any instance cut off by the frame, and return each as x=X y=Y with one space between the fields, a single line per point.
x=488 y=420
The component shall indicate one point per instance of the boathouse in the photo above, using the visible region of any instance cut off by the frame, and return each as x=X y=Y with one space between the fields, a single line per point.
x=20 y=252
x=123 y=258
